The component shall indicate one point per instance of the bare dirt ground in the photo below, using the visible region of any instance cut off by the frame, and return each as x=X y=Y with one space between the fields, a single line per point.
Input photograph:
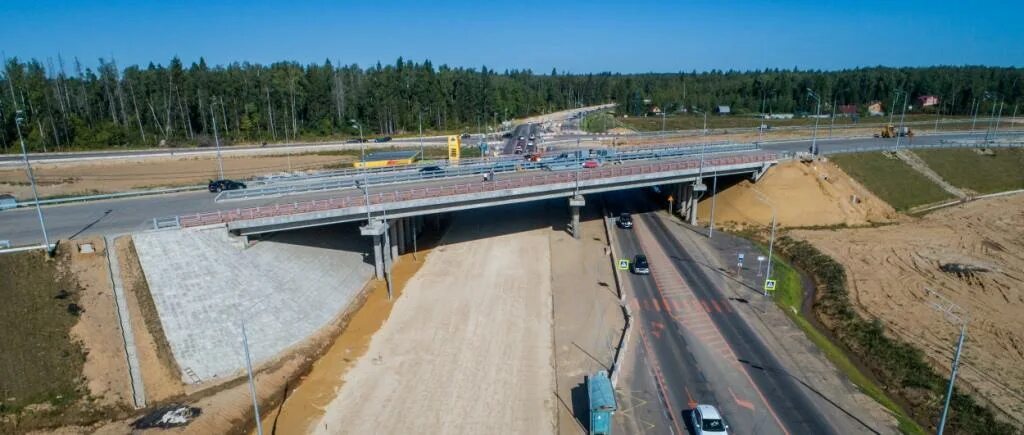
x=106 y=367
x=468 y=348
x=104 y=176
x=815 y=194
x=159 y=372
x=889 y=267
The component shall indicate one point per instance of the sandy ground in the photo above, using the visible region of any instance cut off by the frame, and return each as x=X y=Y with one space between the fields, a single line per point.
x=159 y=372
x=305 y=401
x=106 y=366
x=889 y=267
x=818 y=193
x=104 y=176
x=460 y=354
x=588 y=321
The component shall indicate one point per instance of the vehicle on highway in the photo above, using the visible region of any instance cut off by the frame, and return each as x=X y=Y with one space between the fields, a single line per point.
x=640 y=265
x=221 y=185
x=624 y=221
x=466 y=135
x=707 y=420
x=506 y=135
x=383 y=139
x=532 y=137
x=522 y=138
x=592 y=163
x=431 y=169
x=355 y=141
x=8 y=201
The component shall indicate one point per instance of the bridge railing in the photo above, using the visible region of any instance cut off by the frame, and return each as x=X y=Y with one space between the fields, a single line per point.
x=301 y=207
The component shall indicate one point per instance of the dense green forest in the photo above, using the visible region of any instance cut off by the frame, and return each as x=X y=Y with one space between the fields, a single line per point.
x=70 y=106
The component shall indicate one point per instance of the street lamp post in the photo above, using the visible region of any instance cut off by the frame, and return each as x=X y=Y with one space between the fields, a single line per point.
x=714 y=196
x=366 y=177
x=771 y=242
x=903 y=114
x=216 y=140
x=817 y=117
x=950 y=310
x=422 y=155
x=19 y=118
x=252 y=383
x=994 y=97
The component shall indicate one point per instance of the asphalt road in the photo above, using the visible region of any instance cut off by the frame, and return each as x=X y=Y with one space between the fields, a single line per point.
x=685 y=354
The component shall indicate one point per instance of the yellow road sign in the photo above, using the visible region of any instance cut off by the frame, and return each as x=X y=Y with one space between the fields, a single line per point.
x=769 y=285
x=623 y=264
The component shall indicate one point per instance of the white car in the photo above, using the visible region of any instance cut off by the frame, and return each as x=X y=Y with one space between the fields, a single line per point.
x=707 y=420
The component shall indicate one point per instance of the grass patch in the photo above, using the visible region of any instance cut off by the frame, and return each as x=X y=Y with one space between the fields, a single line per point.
x=39 y=363
x=892 y=180
x=599 y=122
x=970 y=169
x=789 y=295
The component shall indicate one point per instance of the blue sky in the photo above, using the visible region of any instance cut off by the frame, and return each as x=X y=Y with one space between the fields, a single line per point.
x=575 y=36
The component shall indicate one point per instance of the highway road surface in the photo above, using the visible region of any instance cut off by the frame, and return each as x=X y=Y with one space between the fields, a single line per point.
x=696 y=346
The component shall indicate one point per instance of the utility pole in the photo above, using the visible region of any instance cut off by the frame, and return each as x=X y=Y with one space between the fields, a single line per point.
x=974 y=110
x=422 y=155
x=714 y=196
x=833 y=124
x=19 y=118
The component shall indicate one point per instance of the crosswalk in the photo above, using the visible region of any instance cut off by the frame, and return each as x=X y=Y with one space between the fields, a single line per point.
x=680 y=306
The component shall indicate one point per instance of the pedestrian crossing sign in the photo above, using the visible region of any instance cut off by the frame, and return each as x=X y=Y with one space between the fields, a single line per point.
x=769 y=285
x=623 y=264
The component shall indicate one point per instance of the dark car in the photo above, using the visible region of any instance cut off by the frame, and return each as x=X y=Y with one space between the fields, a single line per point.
x=506 y=135
x=431 y=169
x=625 y=221
x=383 y=139
x=466 y=135
x=640 y=266
x=220 y=185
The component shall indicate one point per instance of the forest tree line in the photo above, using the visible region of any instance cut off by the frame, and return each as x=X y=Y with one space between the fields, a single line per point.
x=66 y=105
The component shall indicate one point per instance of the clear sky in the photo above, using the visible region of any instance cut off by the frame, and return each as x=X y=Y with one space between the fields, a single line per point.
x=573 y=36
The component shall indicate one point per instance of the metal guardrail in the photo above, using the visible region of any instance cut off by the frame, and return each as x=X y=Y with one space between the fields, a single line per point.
x=129 y=194
x=412 y=174
x=788 y=155
x=220 y=217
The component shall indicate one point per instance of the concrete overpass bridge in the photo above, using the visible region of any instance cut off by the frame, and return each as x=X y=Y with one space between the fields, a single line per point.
x=395 y=214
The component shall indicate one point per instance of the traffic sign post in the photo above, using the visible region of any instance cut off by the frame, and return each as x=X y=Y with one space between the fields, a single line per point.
x=739 y=263
x=760 y=258
x=623 y=264
x=769 y=285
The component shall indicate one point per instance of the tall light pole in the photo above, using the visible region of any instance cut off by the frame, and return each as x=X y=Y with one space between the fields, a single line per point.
x=252 y=383
x=817 y=116
x=19 y=118
x=954 y=315
x=899 y=133
x=833 y=118
x=974 y=109
x=422 y=155
x=771 y=242
x=216 y=139
x=994 y=97
x=366 y=177
x=714 y=196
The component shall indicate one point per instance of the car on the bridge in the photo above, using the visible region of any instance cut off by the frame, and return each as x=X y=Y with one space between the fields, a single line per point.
x=431 y=169
x=707 y=420
x=383 y=139
x=221 y=185
x=8 y=201
x=592 y=163
x=640 y=265
x=466 y=135
x=624 y=221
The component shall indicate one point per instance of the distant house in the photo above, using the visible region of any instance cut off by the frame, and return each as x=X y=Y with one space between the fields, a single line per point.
x=654 y=111
x=927 y=100
x=848 y=109
x=875 y=108
x=723 y=110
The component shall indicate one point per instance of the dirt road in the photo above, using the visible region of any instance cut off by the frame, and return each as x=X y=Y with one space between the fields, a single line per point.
x=468 y=348
x=889 y=267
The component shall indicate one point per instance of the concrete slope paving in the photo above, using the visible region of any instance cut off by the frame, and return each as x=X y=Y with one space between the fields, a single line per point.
x=284 y=289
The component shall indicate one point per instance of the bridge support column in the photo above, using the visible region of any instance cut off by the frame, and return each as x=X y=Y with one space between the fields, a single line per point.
x=376 y=229
x=697 y=190
x=575 y=204
x=400 y=223
x=393 y=241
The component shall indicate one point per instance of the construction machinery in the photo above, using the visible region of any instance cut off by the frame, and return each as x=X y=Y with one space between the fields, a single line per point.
x=891 y=131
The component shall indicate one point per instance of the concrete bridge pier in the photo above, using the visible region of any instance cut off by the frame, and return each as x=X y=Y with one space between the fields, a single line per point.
x=400 y=224
x=575 y=204
x=376 y=229
x=392 y=239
